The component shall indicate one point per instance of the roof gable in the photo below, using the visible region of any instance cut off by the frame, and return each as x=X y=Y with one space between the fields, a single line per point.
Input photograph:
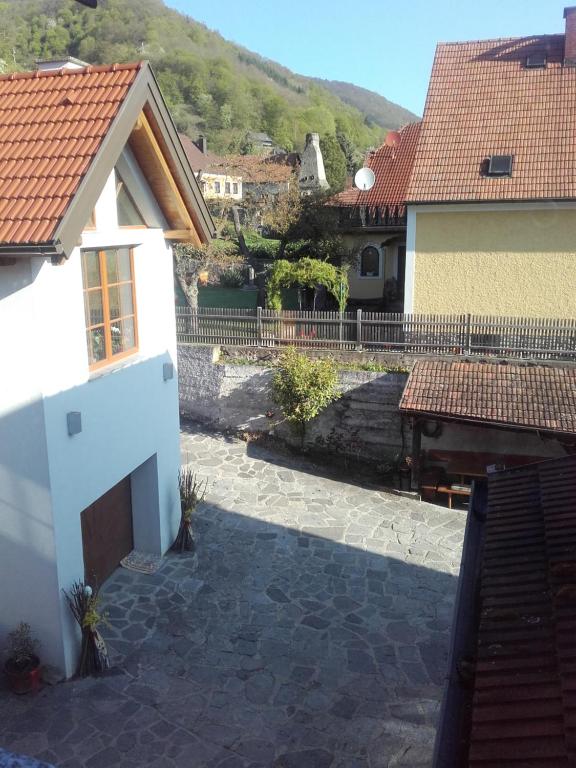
x=483 y=100
x=61 y=134
x=392 y=165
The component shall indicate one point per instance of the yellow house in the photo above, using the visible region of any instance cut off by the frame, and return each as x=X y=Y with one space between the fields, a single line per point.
x=216 y=181
x=491 y=219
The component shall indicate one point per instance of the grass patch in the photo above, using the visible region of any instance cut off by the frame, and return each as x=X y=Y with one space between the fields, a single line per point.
x=369 y=367
x=374 y=367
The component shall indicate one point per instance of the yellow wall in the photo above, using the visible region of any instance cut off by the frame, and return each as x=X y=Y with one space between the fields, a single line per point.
x=208 y=181
x=372 y=287
x=517 y=263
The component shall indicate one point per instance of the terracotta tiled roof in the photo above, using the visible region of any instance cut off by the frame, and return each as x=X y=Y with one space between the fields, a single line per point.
x=51 y=127
x=257 y=169
x=537 y=397
x=524 y=709
x=392 y=166
x=483 y=100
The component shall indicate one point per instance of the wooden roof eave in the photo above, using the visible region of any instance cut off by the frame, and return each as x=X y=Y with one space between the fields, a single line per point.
x=481 y=421
x=160 y=118
x=144 y=92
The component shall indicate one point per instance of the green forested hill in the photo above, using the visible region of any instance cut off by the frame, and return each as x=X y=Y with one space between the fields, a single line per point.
x=375 y=107
x=212 y=86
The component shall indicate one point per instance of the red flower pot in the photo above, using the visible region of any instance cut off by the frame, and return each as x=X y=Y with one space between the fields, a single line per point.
x=23 y=680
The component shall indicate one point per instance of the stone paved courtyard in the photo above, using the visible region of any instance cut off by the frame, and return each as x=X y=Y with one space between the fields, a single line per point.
x=312 y=632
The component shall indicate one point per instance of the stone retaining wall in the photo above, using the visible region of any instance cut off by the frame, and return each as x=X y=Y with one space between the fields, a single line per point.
x=364 y=423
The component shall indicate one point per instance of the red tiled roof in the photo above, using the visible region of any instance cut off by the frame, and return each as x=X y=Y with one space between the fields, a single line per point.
x=257 y=169
x=51 y=127
x=392 y=166
x=524 y=709
x=537 y=397
x=483 y=100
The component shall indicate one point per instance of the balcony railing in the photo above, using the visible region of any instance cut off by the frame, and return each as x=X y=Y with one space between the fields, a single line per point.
x=372 y=216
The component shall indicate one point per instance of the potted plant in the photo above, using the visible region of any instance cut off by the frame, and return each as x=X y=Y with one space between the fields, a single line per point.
x=22 y=667
x=192 y=491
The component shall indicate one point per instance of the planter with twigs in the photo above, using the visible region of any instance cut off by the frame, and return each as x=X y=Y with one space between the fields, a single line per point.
x=84 y=604
x=192 y=491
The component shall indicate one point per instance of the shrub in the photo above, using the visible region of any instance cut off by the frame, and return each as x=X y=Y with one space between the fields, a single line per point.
x=261 y=247
x=303 y=387
x=232 y=278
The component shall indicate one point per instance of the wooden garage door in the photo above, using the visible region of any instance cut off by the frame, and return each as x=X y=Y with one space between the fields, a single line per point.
x=107 y=532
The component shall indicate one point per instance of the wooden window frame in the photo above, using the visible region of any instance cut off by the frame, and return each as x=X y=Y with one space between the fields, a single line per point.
x=104 y=286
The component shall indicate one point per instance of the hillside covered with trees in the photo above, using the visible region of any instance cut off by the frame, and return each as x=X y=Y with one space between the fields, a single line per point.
x=212 y=86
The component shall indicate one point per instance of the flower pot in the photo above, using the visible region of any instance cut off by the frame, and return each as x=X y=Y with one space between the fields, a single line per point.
x=26 y=680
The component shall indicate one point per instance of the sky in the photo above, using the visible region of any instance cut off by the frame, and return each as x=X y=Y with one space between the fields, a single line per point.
x=385 y=46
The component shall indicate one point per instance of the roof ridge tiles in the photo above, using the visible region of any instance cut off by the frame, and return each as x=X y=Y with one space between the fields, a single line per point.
x=88 y=70
x=499 y=39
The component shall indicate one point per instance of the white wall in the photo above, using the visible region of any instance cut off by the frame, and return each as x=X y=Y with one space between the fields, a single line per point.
x=28 y=583
x=129 y=413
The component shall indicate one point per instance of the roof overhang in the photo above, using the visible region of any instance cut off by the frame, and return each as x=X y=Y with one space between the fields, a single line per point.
x=143 y=121
x=480 y=421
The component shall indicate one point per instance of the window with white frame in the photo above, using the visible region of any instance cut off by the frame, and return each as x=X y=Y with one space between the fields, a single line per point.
x=371 y=261
x=217 y=187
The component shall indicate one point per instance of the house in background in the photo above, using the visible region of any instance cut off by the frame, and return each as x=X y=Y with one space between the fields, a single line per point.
x=373 y=224
x=492 y=198
x=261 y=143
x=263 y=177
x=216 y=179
x=94 y=184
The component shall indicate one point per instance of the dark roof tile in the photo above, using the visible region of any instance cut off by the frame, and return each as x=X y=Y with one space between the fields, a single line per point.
x=535 y=396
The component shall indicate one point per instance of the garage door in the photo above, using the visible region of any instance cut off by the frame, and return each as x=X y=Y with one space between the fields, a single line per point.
x=107 y=532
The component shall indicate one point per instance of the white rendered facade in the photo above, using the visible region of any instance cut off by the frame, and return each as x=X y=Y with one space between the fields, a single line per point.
x=129 y=414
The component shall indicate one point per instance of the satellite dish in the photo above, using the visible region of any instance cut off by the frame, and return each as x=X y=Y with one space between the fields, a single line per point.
x=364 y=179
x=392 y=139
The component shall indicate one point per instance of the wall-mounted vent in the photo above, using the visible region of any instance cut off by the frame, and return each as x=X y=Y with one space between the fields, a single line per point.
x=536 y=61
x=500 y=165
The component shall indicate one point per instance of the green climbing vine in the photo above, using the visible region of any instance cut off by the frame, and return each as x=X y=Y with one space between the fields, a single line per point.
x=308 y=273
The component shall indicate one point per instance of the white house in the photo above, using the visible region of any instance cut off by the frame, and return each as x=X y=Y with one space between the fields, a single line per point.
x=94 y=184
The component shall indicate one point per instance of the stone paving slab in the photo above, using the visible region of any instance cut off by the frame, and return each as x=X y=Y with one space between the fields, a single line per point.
x=310 y=631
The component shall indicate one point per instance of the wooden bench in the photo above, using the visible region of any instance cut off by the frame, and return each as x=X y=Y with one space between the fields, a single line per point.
x=449 y=491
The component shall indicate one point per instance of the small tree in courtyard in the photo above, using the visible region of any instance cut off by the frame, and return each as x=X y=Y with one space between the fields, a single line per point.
x=190 y=260
x=303 y=388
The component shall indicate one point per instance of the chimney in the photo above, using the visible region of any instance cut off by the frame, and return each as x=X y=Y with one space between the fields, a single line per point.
x=570 y=37
x=312 y=174
x=202 y=144
x=66 y=62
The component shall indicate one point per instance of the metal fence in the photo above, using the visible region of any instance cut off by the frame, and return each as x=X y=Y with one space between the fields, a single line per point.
x=515 y=337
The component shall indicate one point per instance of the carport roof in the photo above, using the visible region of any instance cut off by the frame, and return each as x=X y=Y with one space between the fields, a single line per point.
x=522 y=396
x=523 y=704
